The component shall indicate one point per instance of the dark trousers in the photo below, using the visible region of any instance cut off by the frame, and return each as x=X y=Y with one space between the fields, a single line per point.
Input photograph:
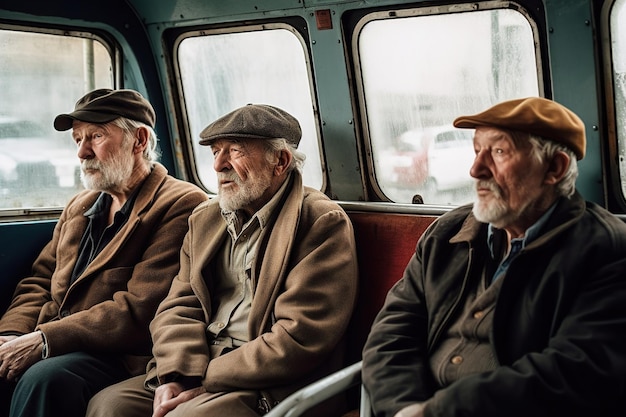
x=60 y=386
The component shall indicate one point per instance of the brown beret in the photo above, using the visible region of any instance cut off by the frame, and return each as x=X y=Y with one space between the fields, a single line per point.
x=105 y=105
x=254 y=121
x=536 y=115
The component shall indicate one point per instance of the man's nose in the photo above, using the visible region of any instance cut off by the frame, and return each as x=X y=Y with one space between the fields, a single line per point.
x=84 y=151
x=221 y=162
x=480 y=167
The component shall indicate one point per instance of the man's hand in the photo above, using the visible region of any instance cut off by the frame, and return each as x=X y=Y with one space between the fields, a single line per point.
x=413 y=410
x=4 y=339
x=169 y=396
x=17 y=354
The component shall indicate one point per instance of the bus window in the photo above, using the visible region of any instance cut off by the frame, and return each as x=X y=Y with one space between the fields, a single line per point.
x=223 y=71
x=419 y=71
x=42 y=75
x=618 y=53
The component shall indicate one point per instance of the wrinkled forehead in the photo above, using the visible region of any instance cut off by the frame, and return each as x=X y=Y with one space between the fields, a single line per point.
x=241 y=143
x=79 y=126
x=221 y=142
x=519 y=139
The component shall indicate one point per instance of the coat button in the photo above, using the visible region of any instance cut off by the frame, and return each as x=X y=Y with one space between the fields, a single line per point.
x=65 y=313
x=456 y=359
x=479 y=314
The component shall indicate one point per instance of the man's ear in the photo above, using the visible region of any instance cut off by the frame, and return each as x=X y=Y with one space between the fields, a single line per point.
x=141 y=139
x=283 y=163
x=557 y=168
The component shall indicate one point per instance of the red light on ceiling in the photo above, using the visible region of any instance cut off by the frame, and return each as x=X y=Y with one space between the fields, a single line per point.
x=323 y=19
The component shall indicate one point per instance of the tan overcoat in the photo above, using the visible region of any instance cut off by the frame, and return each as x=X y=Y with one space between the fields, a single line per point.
x=305 y=281
x=110 y=305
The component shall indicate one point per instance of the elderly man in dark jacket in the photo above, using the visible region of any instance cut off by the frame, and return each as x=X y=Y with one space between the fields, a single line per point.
x=80 y=321
x=266 y=288
x=515 y=305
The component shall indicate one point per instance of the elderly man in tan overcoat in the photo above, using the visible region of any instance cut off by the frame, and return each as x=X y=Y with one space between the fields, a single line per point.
x=80 y=321
x=266 y=288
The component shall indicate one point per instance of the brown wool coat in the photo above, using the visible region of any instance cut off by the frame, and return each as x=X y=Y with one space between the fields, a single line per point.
x=305 y=282
x=108 y=308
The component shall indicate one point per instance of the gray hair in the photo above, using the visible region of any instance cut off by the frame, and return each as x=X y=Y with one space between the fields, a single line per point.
x=280 y=144
x=543 y=150
x=129 y=126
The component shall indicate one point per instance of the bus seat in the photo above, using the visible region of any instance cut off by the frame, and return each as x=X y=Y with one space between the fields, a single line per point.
x=385 y=243
x=16 y=260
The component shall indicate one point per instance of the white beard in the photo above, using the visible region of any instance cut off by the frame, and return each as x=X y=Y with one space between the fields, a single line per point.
x=246 y=193
x=111 y=173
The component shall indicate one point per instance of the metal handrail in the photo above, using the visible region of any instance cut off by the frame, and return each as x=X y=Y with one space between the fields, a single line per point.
x=305 y=398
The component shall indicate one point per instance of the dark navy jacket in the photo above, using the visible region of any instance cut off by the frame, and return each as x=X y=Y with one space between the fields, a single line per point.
x=559 y=328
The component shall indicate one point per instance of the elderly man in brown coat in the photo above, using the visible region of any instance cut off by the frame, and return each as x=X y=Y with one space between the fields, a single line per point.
x=80 y=321
x=266 y=288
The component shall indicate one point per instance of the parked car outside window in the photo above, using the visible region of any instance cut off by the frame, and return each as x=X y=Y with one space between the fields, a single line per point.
x=431 y=162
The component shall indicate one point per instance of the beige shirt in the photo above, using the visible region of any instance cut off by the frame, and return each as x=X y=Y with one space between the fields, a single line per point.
x=233 y=292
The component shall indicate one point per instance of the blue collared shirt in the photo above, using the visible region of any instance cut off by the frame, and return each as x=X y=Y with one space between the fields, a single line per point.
x=517 y=244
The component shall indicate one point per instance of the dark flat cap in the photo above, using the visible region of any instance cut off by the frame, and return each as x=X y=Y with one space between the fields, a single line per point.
x=536 y=115
x=254 y=121
x=105 y=105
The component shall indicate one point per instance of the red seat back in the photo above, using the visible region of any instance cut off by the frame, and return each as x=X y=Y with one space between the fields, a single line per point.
x=385 y=243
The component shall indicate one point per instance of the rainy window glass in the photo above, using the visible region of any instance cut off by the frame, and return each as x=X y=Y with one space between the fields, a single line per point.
x=618 y=45
x=221 y=72
x=41 y=76
x=418 y=74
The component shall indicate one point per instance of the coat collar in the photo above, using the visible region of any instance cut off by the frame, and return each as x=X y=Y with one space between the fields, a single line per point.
x=567 y=211
x=272 y=261
x=273 y=266
x=145 y=198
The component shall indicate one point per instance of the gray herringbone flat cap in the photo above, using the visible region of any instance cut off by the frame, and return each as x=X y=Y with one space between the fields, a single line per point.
x=254 y=121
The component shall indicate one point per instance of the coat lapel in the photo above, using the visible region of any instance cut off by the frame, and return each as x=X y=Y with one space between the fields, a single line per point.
x=273 y=264
x=71 y=233
x=143 y=202
x=204 y=246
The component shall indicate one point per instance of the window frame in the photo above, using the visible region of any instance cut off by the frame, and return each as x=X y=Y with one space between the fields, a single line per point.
x=615 y=193
x=185 y=153
x=8 y=215
x=356 y=23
